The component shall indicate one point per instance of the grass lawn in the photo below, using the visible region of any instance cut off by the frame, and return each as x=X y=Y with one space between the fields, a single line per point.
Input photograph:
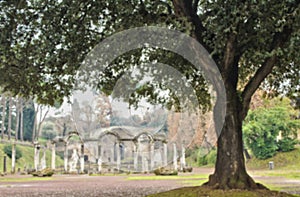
x=27 y=159
x=24 y=179
x=207 y=192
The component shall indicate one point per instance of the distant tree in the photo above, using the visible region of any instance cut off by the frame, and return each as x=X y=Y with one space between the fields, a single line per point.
x=9 y=117
x=21 y=119
x=8 y=151
x=28 y=117
x=3 y=102
x=268 y=130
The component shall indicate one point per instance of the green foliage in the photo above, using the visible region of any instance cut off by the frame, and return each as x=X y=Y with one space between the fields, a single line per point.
x=208 y=159
x=43 y=43
x=8 y=151
x=282 y=161
x=26 y=162
x=287 y=144
x=263 y=126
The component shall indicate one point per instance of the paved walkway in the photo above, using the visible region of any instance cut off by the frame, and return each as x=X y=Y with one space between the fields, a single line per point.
x=111 y=186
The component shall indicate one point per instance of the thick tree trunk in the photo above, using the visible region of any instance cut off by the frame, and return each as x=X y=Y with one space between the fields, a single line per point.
x=230 y=171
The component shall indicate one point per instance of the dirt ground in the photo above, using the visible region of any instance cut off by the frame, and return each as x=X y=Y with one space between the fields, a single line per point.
x=109 y=186
x=83 y=185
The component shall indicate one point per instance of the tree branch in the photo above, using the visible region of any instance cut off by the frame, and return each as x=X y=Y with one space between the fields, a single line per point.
x=279 y=40
x=195 y=5
x=185 y=8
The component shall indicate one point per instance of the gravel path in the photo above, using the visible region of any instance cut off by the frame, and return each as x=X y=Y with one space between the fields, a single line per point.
x=100 y=186
x=113 y=186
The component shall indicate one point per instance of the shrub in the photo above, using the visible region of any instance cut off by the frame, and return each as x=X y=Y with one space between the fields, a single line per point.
x=208 y=159
x=47 y=172
x=262 y=127
x=287 y=144
x=165 y=172
x=8 y=151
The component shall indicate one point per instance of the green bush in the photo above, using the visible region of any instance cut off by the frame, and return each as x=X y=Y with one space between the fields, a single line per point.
x=208 y=159
x=8 y=151
x=262 y=127
x=287 y=144
x=212 y=157
x=165 y=172
x=47 y=172
x=202 y=161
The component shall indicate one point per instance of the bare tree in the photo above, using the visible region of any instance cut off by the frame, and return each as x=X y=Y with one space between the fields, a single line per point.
x=42 y=112
x=3 y=115
x=21 y=120
x=10 y=106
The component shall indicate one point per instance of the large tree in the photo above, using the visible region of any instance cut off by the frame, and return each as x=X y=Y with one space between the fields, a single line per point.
x=254 y=44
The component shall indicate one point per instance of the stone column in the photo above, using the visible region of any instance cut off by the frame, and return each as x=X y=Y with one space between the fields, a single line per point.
x=13 y=158
x=152 y=156
x=118 y=156
x=183 y=164
x=175 y=157
x=43 y=160
x=135 y=157
x=82 y=159
x=36 y=156
x=146 y=165
x=66 y=158
x=143 y=163
x=53 y=156
x=99 y=151
x=165 y=160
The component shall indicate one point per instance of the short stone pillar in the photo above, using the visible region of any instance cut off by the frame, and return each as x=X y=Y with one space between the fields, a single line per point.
x=53 y=155
x=36 y=155
x=4 y=164
x=99 y=162
x=82 y=159
x=165 y=155
x=66 y=158
x=13 y=158
x=271 y=165
x=175 y=157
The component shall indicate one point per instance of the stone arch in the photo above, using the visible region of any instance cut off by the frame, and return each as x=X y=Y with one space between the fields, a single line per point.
x=109 y=133
x=71 y=134
x=149 y=135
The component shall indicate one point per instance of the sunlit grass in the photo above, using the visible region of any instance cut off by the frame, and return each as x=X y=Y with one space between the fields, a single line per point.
x=277 y=173
x=27 y=159
x=153 y=177
x=25 y=179
x=203 y=191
